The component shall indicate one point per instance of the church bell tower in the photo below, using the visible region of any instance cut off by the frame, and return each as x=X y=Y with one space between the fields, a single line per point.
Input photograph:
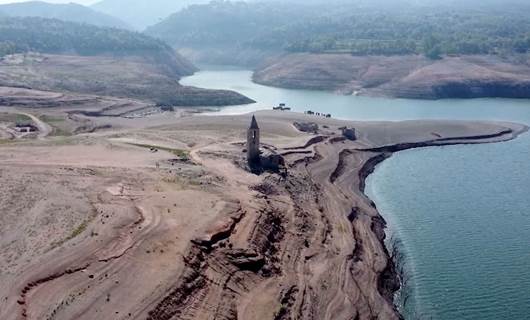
x=253 y=154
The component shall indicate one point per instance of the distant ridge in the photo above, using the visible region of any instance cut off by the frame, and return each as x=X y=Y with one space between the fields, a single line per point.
x=142 y=13
x=71 y=12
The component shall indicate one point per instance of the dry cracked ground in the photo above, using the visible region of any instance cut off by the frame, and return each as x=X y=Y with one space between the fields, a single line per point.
x=156 y=217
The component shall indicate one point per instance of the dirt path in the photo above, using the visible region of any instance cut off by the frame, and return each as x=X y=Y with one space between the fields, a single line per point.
x=44 y=128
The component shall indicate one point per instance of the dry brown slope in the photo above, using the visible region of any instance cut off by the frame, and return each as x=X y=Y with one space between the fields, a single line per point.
x=126 y=77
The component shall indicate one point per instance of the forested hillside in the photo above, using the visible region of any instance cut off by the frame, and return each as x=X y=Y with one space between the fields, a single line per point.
x=142 y=13
x=360 y=29
x=19 y=35
x=231 y=23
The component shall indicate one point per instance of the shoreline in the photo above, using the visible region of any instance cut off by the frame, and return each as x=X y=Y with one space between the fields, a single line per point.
x=387 y=152
x=388 y=278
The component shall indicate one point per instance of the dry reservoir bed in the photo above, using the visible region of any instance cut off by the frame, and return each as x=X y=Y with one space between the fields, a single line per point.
x=158 y=219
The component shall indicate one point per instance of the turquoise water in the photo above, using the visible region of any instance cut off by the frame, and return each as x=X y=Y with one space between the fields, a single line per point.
x=462 y=213
x=463 y=216
x=351 y=107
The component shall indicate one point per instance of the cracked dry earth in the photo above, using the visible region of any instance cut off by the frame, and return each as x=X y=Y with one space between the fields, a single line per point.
x=206 y=239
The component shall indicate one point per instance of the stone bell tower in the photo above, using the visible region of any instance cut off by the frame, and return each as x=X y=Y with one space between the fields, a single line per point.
x=253 y=154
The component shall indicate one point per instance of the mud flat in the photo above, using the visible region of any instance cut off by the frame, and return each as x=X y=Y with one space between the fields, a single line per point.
x=162 y=221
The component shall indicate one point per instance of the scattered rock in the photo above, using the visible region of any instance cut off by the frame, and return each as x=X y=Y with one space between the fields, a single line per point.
x=309 y=127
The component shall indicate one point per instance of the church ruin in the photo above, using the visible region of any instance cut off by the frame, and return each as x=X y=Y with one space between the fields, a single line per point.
x=258 y=161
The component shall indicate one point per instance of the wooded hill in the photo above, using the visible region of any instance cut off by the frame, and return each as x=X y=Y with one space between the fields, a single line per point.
x=64 y=11
x=19 y=35
x=359 y=28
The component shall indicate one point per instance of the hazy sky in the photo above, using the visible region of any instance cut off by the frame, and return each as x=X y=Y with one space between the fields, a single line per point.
x=54 y=1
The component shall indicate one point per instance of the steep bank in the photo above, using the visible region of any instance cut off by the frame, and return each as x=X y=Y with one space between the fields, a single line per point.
x=413 y=77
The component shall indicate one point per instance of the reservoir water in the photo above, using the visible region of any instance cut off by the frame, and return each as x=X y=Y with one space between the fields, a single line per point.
x=462 y=213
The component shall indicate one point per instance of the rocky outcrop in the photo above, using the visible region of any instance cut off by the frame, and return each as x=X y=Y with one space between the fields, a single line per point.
x=413 y=77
